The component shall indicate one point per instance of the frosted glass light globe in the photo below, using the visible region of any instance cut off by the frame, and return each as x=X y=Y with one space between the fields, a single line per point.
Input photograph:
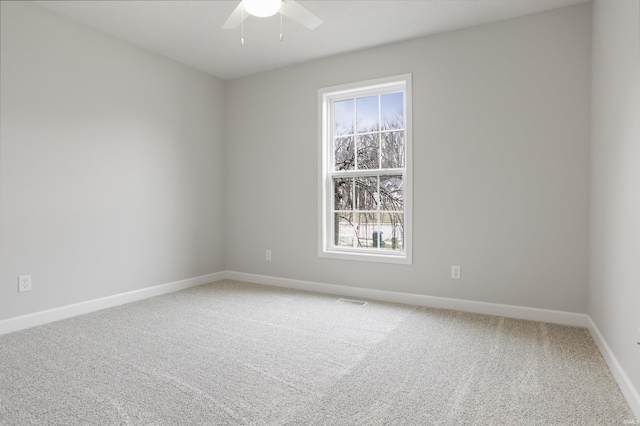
x=262 y=8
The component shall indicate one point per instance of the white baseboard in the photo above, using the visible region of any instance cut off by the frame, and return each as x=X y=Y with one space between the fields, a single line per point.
x=50 y=315
x=535 y=314
x=38 y=318
x=521 y=312
x=626 y=386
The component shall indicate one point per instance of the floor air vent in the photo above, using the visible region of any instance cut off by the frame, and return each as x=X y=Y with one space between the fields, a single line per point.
x=352 y=302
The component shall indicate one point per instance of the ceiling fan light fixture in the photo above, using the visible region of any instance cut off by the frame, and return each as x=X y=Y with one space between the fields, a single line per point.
x=262 y=8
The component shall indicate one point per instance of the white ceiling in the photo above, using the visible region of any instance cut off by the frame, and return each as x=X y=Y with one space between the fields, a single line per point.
x=190 y=31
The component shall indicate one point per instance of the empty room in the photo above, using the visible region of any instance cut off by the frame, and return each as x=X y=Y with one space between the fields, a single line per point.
x=320 y=212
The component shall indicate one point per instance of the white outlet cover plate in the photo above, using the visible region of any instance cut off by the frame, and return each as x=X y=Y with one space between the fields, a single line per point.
x=455 y=272
x=24 y=283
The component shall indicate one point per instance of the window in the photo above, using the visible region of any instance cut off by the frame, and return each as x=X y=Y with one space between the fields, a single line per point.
x=365 y=170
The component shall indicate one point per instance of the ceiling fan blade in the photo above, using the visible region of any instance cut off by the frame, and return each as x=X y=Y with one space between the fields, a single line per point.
x=236 y=18
x=294 y=10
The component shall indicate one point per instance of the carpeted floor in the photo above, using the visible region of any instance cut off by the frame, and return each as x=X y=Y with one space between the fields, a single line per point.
x=238 y=353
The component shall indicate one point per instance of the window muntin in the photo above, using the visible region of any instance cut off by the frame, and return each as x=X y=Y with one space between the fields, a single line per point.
x=365 y=171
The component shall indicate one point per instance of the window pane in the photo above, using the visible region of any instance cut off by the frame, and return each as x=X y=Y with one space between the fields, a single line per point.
x=392 y=228
x=392 y=150
x=343 y=153
x=343 y=117
x=368 y=152
x=392 y=111
x=367 y=224
x=367 y=193
x=343 y=193
x=391 y=193
x=346 y=235
x=367 y=114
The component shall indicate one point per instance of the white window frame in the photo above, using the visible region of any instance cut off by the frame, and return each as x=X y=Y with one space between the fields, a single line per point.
x=326 y=98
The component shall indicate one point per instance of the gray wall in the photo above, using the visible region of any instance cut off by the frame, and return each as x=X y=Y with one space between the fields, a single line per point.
x=114 y=159
x=614 y=292
x=501 y=164
x=110 y=176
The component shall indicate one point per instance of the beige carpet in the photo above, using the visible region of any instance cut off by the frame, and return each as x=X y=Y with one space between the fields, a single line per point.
x=237 y=353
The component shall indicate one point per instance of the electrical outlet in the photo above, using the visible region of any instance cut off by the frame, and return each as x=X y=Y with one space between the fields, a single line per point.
x=268 y=255
x=24 y=283
x=455 y=272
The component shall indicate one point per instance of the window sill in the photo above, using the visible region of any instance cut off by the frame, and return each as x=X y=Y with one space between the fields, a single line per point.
x=401 y=258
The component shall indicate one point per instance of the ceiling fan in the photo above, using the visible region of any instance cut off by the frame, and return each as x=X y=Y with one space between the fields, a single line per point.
x=265 y=8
